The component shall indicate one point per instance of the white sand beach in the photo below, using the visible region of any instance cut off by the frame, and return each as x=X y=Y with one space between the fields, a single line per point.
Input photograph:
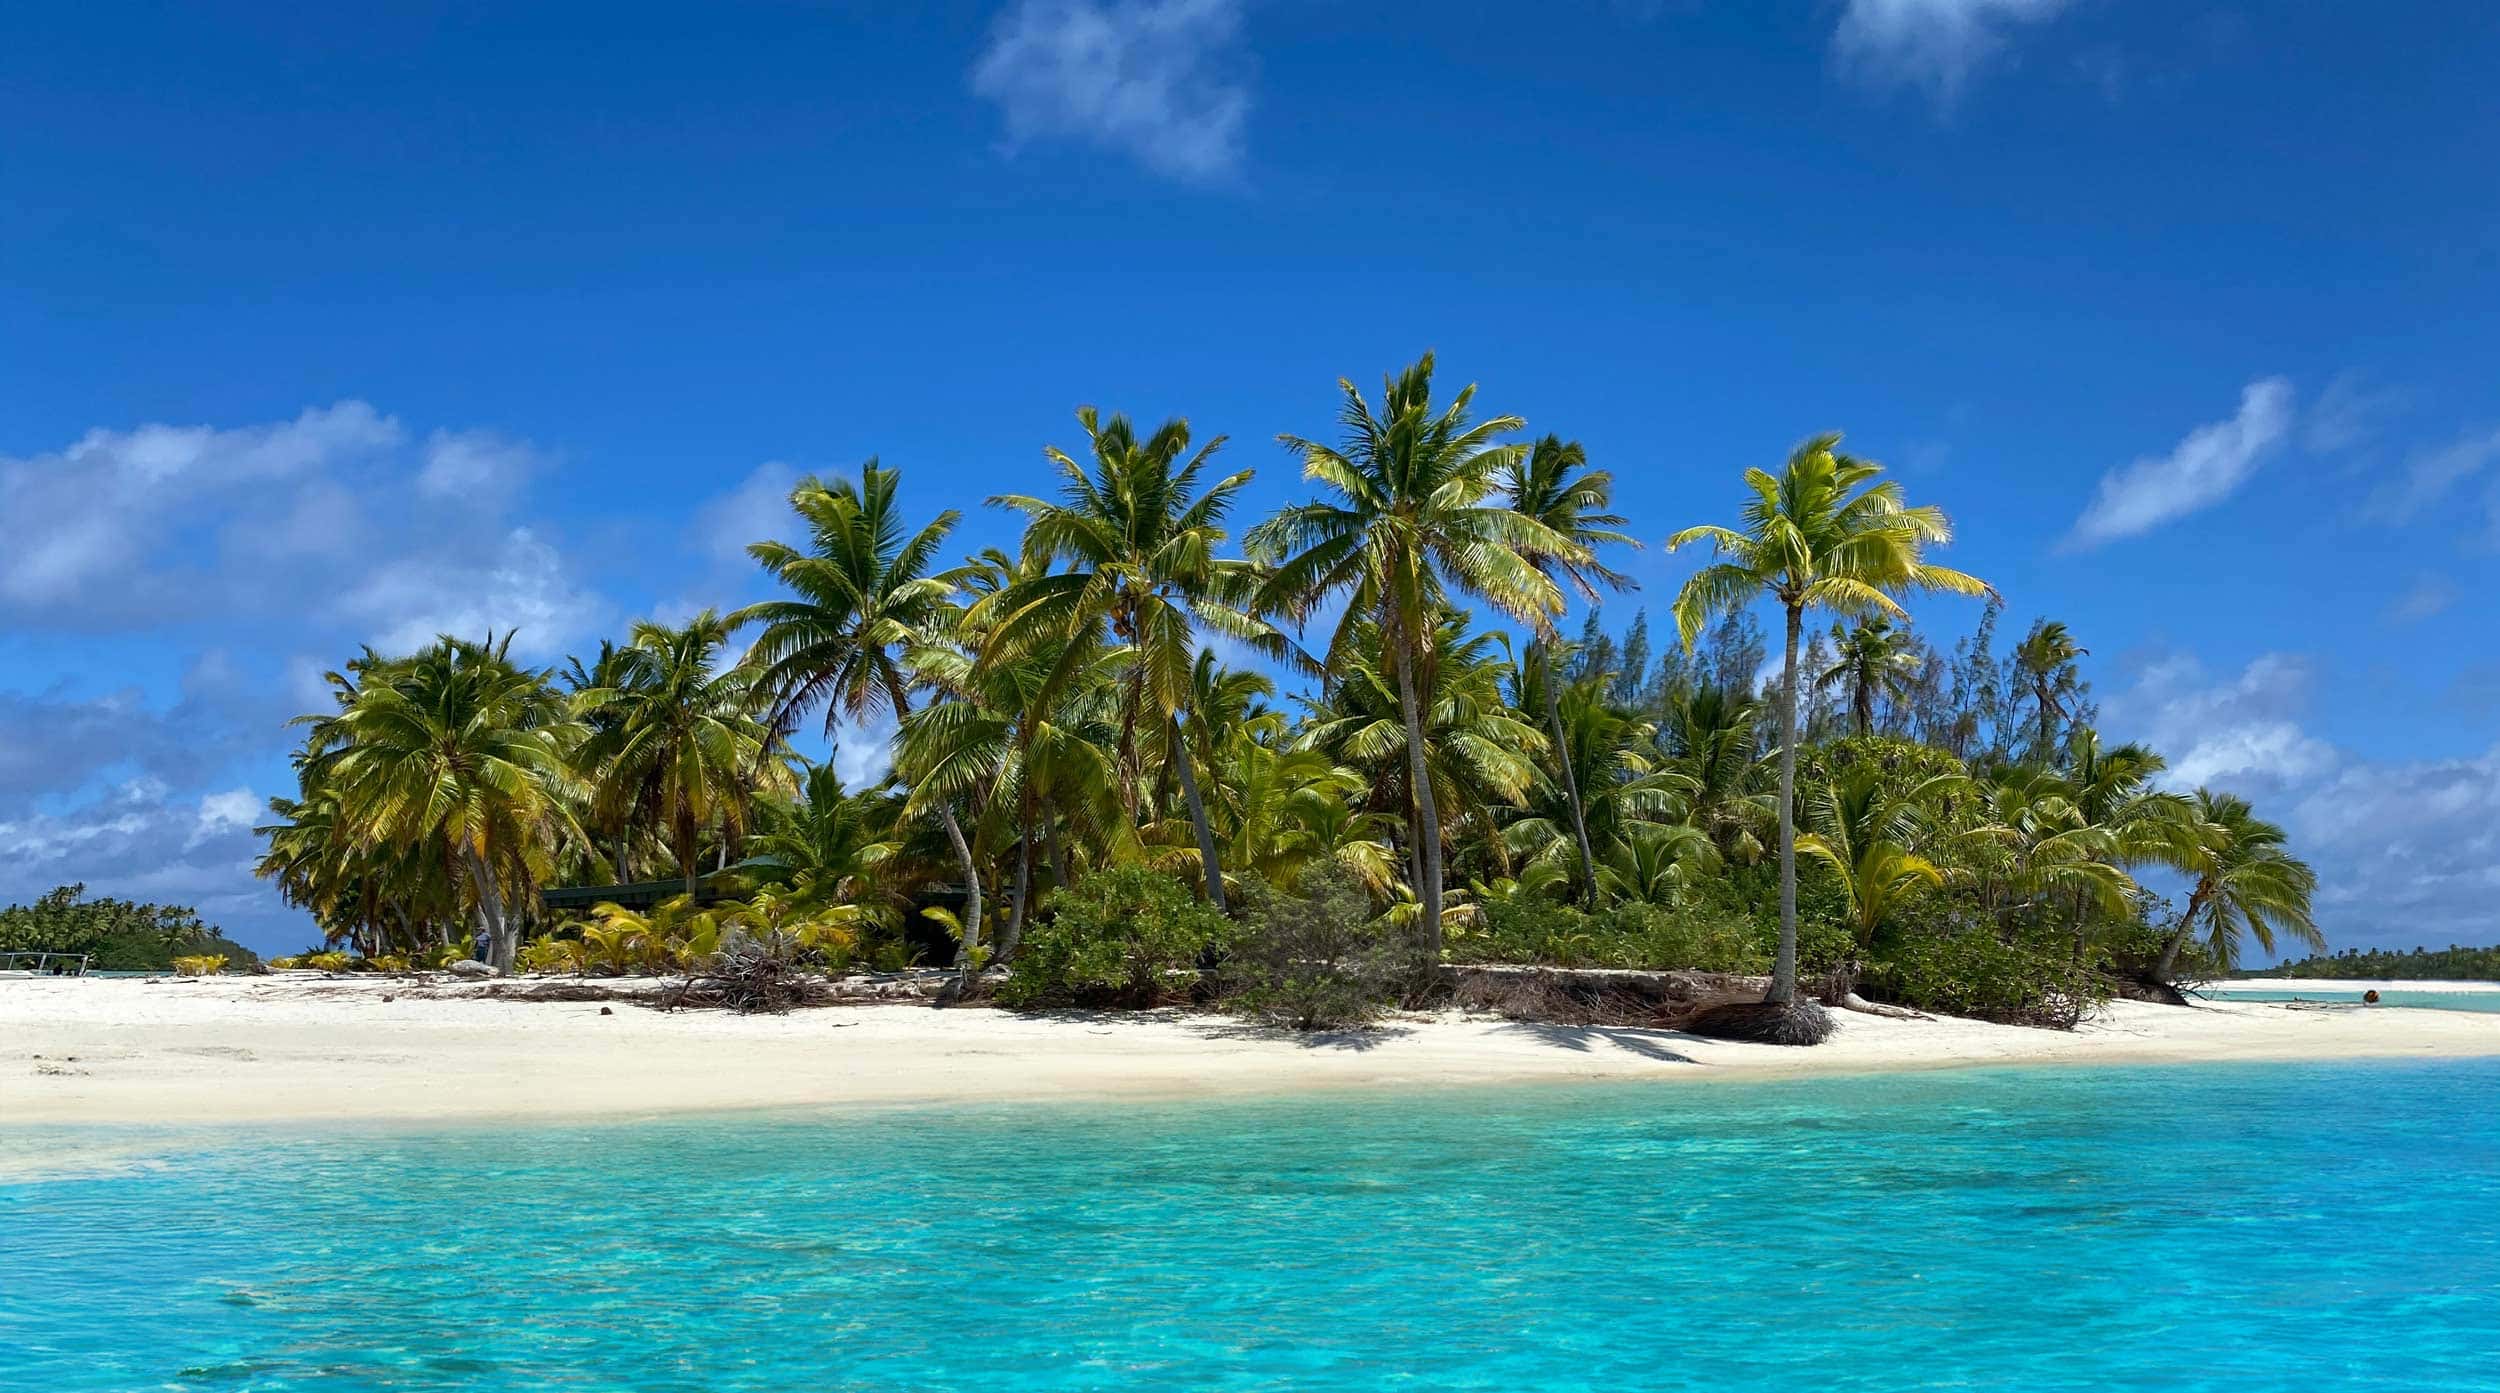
x=248 y=1049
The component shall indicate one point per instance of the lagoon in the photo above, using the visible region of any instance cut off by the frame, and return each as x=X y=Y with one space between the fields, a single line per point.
x=2236 y=1226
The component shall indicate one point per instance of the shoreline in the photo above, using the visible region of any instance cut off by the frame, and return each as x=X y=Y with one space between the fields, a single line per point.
x=2351 y=984
x=113 y=1052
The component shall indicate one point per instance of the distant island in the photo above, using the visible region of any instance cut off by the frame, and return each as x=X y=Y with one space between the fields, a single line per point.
x=116 y=935
x=2449 y=964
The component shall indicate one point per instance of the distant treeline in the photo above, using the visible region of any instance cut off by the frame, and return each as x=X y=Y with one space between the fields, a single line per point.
x=118 y=935
x=2449 y=964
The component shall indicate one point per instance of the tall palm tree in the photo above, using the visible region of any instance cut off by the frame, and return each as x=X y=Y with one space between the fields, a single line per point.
x=2247 y=884
x=1139 y=537
x=1874 y=660
x=458 y=747
x=678 y=737
x=1411 y=516
x=1822 y=534
x=2046 y=660
x=1553 y=484
x=2111 y=788
x=862 y=594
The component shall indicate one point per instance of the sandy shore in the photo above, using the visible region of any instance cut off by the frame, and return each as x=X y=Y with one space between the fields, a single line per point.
x=266 y=1049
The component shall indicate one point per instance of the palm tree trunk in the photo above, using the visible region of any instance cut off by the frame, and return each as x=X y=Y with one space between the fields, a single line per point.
x=1862 y=700
x=1058 y=851
x=1210 y=866
x=1427 y=817
x=1784 y=969
x=968 y=950
x=2179 y=935
x=500 y=948
x=1013 y=934
x=1570 y=780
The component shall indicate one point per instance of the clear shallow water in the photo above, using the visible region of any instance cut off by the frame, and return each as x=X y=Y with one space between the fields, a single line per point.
x=2248 y=1227
x=2438 y=1001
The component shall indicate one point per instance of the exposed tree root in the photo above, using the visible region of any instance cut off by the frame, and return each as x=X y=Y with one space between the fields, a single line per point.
x=1765 y=1022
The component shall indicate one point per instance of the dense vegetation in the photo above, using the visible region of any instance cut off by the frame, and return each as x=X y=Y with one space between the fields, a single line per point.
x=119 y=936
x=1097 y=779
x=2449 y=964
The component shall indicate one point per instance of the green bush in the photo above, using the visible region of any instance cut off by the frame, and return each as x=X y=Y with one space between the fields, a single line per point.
x=1698 y=937
x=1975 y=973
x=1314 y=957
x=1111 y=939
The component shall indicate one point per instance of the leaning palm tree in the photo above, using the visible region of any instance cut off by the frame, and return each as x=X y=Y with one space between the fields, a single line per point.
x=1139 y=536
x=862 y=594
x=2247 y=884
x=1822 y=534
x=676 y=735
x=1412 y=517
x=1554 y=485
x=1874 y=660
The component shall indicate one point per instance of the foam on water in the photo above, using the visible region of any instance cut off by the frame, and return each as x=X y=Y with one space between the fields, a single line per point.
x=2245 y=1227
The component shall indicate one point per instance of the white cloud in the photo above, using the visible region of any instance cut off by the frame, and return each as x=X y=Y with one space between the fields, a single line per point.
x=2430 y=475
x=2202 y=470
x=111 y=507
x=1935 y=44
x=517 y=583
x=235 y=809
x=2407 y=851
x=756 y=510
x=475 y=465
x=1160 y=80
x=2241 y=734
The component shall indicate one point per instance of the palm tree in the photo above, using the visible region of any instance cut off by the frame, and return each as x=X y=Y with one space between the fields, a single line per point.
x=1820 y=534
x=2247 y=883
x=1554 y=485
x=1864 y=829
x=1408 y=521
x=2111 y=788
x=1480 y=754
x=1612 y=757
x=2046 y=660
x=677 y=737
x=863 y=594
x=1875 y=660
x=1140 y=539
x=1711 y=737
x=457 y=747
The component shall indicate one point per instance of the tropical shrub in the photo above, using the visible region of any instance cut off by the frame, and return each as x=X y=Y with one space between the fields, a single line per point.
x=548 y=953
x=1315 y=957
x=330 y=960
x=200 y=965
x=1697 y=937
x=1979 y=974
x=1112 y=939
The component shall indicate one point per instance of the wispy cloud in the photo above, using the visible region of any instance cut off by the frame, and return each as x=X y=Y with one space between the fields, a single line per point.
x=1160 y=80
x=2429 y=476
x=2426 y=597
x=1933 y=44
x=2201 y=471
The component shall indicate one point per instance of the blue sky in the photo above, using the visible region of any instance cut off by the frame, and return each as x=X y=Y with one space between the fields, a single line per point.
x=330 y=326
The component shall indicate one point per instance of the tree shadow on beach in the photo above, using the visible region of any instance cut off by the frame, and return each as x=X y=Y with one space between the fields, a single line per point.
x=1583 y=1039
x=1358 y=1040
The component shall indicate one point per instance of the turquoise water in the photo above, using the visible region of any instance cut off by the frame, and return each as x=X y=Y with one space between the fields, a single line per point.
x=2437 y=1001
x=2244 y=1227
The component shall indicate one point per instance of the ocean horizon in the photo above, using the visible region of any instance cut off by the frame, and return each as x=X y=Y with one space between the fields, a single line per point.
x=2214 y=1226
